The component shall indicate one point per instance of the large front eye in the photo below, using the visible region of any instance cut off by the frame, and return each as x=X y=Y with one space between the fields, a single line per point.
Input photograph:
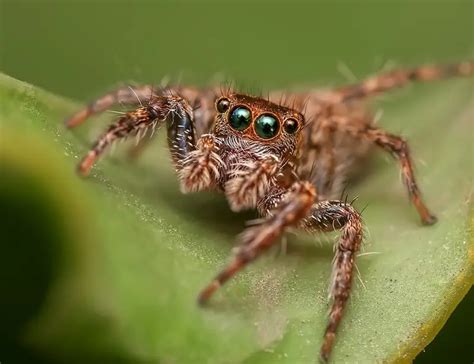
x=267 y=126
x=240 y=118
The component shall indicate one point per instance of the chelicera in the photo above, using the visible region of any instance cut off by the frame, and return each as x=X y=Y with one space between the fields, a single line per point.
x=287 y=160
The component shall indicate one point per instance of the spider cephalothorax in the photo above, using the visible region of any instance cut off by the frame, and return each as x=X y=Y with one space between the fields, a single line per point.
x=253 y=142
x=287 y=162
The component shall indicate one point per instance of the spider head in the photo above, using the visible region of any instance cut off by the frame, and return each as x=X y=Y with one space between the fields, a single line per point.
x=254 y=123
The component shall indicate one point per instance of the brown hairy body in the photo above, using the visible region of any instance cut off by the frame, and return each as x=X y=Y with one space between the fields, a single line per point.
x=288 y=157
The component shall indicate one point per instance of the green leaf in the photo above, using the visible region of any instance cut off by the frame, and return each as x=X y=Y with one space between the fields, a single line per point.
x=108 y=268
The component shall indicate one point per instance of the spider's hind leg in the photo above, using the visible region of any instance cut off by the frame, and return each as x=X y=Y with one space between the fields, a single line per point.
x=398 y=147
x=401 y=77
x=362 y=129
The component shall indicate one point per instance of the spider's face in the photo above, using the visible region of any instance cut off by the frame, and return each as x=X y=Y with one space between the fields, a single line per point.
x=252 y=122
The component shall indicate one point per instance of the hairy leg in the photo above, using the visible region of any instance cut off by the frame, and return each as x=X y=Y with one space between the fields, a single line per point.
x=129 y=95
x=158 y=109
x=199 y=100
x=398 y=148
x=399 y=78
x=317 y=101
x=257 y=239
x=328 y=216
x=323 y=142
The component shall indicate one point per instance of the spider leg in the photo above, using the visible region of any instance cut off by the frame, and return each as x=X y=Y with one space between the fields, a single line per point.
x=328 y=216
x=173 y=109
x=257 y=239
x=396 y=146
x=125 y=95
x=323 y=141
x=399 y=78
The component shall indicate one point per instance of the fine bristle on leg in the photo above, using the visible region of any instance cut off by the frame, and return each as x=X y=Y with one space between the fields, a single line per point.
x=130 y=124
x=157 y=110
x=126 y=95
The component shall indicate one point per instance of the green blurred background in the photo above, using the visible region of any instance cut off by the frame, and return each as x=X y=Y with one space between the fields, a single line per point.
x=80 y=49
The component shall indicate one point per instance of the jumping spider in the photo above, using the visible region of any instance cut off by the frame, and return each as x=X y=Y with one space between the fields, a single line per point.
x=288 y=162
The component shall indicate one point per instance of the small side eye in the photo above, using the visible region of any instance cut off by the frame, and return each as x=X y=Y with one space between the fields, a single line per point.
x=267 y=126
x=240 y=118
x=222 y=105
x=290 y=126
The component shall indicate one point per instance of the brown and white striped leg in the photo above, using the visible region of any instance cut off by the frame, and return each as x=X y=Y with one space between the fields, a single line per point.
x=174 y=109
x=328 y=216
x=129 y=95
x=257 y=239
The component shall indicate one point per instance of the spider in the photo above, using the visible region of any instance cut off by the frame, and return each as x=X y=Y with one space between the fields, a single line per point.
x=288 y=160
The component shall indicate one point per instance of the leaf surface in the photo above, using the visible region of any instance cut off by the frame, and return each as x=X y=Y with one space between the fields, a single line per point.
x=114 y=262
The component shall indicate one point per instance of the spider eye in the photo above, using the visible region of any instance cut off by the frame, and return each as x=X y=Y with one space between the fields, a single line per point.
x=267 y=126
x=290 y=126
x=240 y=118
x=222 y=105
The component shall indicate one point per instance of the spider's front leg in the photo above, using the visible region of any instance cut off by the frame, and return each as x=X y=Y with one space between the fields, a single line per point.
x=124 y=95
x=171 y=108
x=257 y=239
x=299 y=209
x=327 y=216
